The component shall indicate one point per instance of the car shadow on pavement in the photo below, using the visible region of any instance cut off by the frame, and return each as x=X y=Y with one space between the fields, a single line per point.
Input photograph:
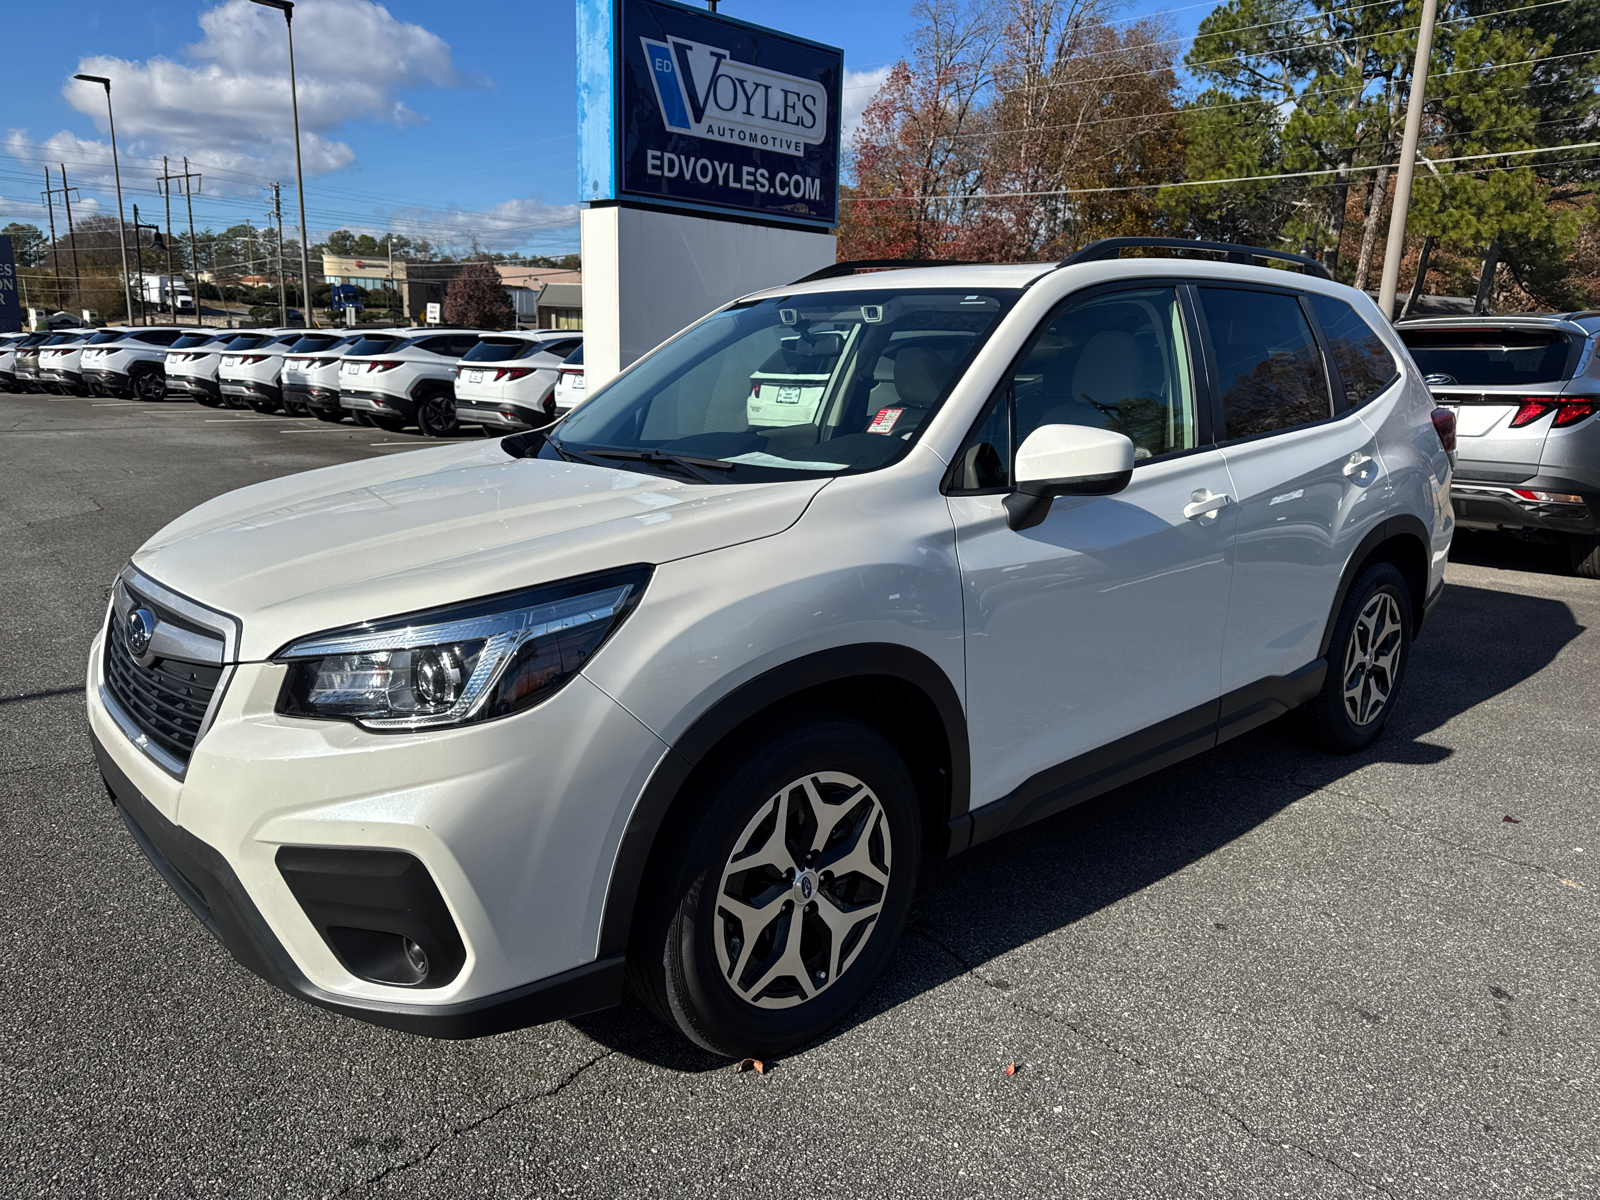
x=1009 y=892
x=1504 y=552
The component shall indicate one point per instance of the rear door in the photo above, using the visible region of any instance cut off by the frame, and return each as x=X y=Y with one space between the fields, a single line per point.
x=1303 y=468
x=1496 y=378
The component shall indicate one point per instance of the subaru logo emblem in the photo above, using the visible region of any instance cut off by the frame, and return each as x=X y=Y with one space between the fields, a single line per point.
x=141 y=628
x=805 y=886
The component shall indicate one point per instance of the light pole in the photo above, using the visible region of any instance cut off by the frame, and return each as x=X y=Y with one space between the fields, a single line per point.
x=1408 y=160
x=158 y=246
x=122 y=233
x=286 y=7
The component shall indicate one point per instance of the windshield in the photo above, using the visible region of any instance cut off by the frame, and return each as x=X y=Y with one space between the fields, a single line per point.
x=374 y=344
x=832 y=382
x=1489 y=357
x=500 y=350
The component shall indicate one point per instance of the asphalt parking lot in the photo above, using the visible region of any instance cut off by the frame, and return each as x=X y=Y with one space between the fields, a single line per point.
x=1266 y=972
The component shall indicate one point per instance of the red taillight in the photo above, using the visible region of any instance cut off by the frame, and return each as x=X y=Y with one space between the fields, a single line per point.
x=251 y=359
x=1444 y=424
x=385 y=365
x=323 y=362
x=512 y=373
x=1530 y=411
x=1573 y=411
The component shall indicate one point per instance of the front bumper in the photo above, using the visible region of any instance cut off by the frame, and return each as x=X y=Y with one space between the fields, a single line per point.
x=516 y=821
x=1497 y=507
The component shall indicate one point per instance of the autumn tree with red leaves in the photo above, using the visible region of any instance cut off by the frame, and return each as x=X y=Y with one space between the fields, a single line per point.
x=476 y=299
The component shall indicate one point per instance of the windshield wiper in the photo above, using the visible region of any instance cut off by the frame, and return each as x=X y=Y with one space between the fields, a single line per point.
x=699 y=465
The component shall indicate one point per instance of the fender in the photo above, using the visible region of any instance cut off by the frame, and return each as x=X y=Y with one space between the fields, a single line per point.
x=739 y=706
x=1406 y=524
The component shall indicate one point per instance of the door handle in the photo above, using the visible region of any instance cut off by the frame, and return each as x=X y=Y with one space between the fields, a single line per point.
x=1206 y=503
x=1357 y=463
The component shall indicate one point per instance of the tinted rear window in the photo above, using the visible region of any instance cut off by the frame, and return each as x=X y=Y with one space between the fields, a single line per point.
x=1488 y=356
x=372 y=344
x=310 y=344
x=500 y=350
x=190 y=340
x=107 y=335
x=246 y=341
x=575 y=359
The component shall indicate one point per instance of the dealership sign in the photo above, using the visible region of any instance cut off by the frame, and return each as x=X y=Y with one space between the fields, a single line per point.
x=707 y=113
x=10 y=305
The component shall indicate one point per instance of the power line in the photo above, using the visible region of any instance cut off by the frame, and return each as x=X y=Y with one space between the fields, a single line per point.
x=1139 y=187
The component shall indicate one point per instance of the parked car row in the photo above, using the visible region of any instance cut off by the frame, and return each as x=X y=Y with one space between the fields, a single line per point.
x=437 y=380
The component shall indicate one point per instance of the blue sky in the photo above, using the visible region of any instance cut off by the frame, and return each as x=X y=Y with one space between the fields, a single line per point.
x=453 y=122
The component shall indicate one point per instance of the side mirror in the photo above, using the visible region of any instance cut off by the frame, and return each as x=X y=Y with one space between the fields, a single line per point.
x=1066 y=460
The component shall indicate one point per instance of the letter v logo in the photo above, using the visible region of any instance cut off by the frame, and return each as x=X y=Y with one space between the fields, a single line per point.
x=693 y=61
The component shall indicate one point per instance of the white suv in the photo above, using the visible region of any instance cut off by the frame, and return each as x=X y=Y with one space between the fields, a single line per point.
x=251 y=365
x=570 y=391
x=508 y=380
x=395 y=380
x=313 y=349
x=192 y=362
x=680 y=691
x=129 y=362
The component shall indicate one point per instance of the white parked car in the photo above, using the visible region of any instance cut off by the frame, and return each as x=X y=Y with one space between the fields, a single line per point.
x=61 y=362
x=392 y=381
x=251 y=365
x=507 y=381
x=8 y=360
x=570 y=391
x=316 y=347
x=192 y=362
x=129 y=361
x=678 y=695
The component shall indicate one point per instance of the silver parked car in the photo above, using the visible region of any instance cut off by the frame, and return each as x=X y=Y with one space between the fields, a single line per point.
x=1525 y=390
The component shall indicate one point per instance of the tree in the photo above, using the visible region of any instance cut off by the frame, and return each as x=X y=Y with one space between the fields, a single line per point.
x=476 y=299
x=28 y=243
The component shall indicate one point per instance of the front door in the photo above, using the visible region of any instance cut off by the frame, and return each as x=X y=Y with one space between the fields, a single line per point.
x=1106 y=619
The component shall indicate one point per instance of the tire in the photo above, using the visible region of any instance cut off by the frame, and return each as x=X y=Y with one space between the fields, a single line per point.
x=436 y=416
x=234 y=402
x=1583 y=552
x=703 y=970
x=208 y=400
x=1367 y=658
x=265 y=407
x=332 y=415
x=149 y=386
x=387 y=424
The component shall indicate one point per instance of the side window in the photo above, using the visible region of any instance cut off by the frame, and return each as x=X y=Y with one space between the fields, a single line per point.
x=1268 y=364
x=1364 y=363
x=1119 y=362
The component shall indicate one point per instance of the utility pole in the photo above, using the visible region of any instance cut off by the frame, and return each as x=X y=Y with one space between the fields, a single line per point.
x=277 y=215
x=1396 y=246
x=167 y=176
x=55 y=259
x=72 y=237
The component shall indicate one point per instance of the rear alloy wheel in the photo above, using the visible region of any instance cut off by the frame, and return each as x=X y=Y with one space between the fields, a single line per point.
x=436 y=416
x=773 y=915
x=149 y=385
x=1367 y=658
x=1583 y=552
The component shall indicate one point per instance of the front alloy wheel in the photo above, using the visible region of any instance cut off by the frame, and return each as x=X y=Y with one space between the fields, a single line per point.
x=799 y=895
x=775 y=896
x=436 y=416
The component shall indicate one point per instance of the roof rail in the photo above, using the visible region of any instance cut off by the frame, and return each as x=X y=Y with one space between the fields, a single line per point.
x=840 y=269
x=1113 y=247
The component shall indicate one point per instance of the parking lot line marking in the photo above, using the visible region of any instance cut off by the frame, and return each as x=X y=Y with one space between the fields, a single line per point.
x=115 y=404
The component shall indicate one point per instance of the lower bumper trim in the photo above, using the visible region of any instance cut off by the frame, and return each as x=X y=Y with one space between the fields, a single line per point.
x=206 y=883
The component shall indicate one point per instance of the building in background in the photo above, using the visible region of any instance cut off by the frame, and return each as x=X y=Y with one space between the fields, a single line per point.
x=544 y=297
x=375 y=275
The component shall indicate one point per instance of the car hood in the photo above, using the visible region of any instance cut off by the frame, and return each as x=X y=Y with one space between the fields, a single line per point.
x=387 y=536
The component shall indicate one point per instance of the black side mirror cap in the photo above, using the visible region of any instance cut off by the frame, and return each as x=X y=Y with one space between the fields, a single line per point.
x=1030 y=503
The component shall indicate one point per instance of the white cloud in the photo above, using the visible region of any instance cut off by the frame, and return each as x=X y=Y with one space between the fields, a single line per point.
x=859 y=89
x=229 y=107
x=509 y=225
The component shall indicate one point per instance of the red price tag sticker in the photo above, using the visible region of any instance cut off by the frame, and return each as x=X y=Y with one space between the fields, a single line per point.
x=884 y=421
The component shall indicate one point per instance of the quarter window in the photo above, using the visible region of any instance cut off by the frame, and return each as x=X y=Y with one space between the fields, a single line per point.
x=1268 y=365
x=1119 y=362
x=1364 y=363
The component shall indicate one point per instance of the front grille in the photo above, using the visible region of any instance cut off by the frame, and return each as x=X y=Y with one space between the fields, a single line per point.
x=167 y=700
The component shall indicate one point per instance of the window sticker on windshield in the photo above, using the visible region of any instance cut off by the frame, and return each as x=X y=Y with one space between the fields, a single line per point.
x=884 y=421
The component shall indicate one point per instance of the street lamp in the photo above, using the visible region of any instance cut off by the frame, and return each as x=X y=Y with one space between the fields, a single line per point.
x=122 y=237
x=286 y=7
x=157 y=245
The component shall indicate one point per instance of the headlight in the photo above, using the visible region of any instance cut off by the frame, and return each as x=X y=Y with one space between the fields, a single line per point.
x=453 y=666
